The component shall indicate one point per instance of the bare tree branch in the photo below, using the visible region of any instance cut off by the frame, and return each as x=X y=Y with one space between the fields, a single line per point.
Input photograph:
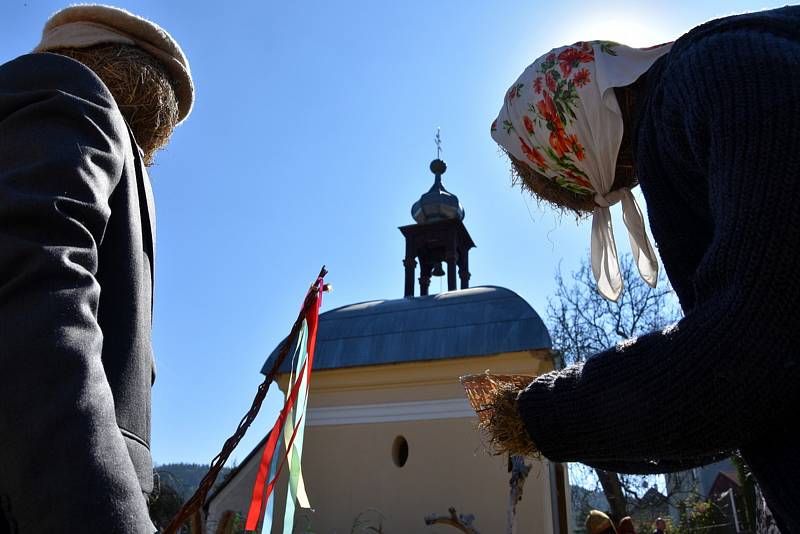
x=459 y=521
x=583 y=323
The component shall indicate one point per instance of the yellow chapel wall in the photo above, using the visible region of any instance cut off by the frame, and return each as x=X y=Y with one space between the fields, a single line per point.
x=355 y=415
x=349 y=467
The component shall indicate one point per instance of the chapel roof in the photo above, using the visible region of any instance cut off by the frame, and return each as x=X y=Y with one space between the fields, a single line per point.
x=470 y=322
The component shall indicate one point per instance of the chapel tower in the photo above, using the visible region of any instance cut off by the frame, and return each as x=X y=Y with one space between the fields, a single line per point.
x=438 y=237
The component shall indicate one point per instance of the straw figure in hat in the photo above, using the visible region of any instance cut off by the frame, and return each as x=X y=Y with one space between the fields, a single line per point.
x=79 y=120
x=709 y=126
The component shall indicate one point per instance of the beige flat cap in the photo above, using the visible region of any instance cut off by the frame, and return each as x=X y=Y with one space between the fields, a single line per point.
x=82 y=26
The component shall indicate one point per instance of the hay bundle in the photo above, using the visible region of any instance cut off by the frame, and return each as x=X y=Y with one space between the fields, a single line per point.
x=140 y=85
x=494 y=399
x=547 y=190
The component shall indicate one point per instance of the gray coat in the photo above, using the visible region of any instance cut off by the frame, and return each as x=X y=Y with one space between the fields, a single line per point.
x=76 y=281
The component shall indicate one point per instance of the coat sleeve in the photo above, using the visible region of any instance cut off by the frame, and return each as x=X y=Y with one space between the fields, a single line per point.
x=64 y=466
x=727 y=375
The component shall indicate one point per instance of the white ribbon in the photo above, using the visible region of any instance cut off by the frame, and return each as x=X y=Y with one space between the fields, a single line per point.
x=605 y=262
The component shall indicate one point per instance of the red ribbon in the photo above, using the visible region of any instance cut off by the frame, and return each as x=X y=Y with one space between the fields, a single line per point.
x=260 y=492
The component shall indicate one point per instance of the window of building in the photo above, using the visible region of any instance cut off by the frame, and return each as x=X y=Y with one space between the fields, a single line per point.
x=400 y=451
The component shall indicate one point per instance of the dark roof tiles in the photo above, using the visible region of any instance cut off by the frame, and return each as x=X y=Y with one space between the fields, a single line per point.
x=470 y=322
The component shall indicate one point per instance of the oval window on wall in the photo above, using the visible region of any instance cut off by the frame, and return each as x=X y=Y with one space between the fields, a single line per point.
x=400 y=451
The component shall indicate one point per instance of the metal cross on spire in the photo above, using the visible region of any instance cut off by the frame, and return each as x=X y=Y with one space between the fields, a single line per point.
x=438 y=140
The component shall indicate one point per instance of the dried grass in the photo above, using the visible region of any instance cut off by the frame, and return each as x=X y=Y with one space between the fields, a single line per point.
x=140 y=85
x=544 y=189
x=494 y=399
x=505 y=430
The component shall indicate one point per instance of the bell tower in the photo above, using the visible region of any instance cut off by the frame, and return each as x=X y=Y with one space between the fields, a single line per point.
x=438 y=237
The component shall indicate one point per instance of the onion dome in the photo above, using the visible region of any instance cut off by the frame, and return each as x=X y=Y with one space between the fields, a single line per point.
x=438 y=203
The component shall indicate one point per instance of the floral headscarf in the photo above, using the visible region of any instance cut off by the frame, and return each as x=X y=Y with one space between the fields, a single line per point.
x=562 y=119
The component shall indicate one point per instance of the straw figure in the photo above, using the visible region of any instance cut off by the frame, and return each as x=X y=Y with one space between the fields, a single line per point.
x=80 y=118
x=141 y=86
x=709 y=127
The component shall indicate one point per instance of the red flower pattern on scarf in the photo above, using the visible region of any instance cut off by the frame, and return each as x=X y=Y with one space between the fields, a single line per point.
x=581 y=78
x=559 y=142
x=547 y=108
x=515 y=91
x=572 y=57
x=528 y=124
x=559 y=76
x=577 y=147
x=532 y=154
x=550 y=80
x=580 y=180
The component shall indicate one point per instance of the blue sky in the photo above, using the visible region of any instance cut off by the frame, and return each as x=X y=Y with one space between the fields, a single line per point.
x=309 y=141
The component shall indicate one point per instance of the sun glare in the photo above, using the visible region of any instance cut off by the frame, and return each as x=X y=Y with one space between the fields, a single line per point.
x=623 y=30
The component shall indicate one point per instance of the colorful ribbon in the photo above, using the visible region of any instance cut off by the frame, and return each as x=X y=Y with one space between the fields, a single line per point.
x=290 y=424
x=296 y=491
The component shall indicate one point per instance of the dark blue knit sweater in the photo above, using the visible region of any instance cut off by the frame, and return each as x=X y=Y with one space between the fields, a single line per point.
x=718 y=159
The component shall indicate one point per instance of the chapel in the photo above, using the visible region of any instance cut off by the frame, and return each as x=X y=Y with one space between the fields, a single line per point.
x=390 y=437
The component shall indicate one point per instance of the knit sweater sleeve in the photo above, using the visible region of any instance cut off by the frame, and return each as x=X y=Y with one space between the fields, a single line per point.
x=727 y=373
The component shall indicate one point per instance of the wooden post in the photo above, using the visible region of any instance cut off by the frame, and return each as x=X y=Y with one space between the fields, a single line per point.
x=425 y=278
x=410 y=264
x=463 y=269
x=225 y=525
x=196 y=523
x=451 y=271
x=519 y=472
